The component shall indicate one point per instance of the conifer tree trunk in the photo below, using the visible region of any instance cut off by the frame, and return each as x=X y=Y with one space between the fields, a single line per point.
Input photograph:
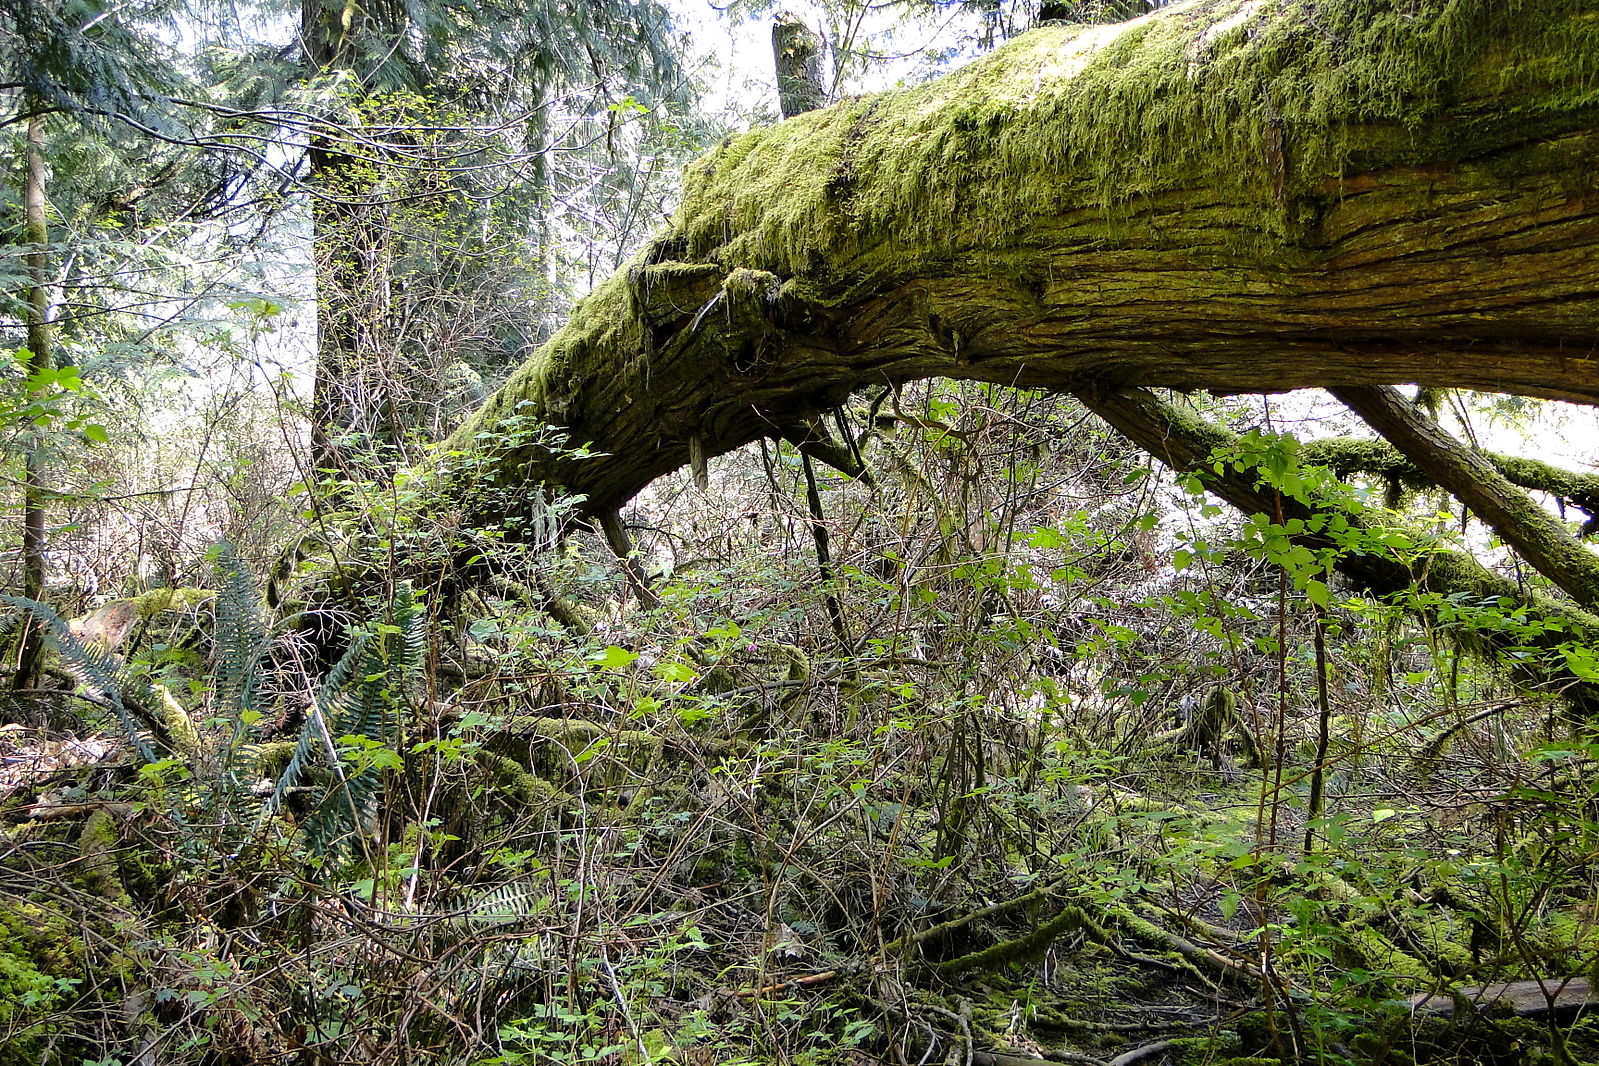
x=42 y=357
x=347 y=239
x=348 y=247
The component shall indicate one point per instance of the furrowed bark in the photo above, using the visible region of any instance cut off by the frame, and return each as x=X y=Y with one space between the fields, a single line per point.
x=1239 y=195
x=1541 y=538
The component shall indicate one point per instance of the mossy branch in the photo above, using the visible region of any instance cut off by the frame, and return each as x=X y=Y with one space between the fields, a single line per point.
x=1348 y=456
x=1541 y=538
x=1185 y=442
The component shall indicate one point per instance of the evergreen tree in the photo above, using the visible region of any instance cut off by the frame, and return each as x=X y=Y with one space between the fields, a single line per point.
x=458 y=107
x=92 y=72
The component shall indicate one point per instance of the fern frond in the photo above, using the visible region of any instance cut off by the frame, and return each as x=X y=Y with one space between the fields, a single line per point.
x=103 y=675
x=343 y=707
x=330 y=703
x=9 y=622
x=410 y=617
x=362 y=696
x=238 y=636
x=500 y=905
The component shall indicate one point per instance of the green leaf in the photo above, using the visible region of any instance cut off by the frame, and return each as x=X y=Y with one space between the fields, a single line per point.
x=1581 y=661
x=1046 y=537
x=613 y=658
x=256 y=305
x=681 y=673
x=729 y=631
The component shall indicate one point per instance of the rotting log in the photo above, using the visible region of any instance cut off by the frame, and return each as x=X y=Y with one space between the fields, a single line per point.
x=1238 y=195
x=1557 y=998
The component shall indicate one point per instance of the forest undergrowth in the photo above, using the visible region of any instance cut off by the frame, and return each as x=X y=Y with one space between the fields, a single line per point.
x=1021 y=752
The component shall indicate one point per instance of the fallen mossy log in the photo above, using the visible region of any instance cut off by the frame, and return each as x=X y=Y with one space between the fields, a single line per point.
x=577 y=735
x=1561 y=999
x=112 y=624
x=1030 y=944
x=1226 y=195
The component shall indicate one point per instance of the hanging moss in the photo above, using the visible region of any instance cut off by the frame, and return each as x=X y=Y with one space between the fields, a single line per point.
x=1226 y=95
x=1225 y=146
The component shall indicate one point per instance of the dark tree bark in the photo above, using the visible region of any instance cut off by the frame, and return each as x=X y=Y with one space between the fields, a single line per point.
x=1239 y=199
x=797 y=52
x=349 y=242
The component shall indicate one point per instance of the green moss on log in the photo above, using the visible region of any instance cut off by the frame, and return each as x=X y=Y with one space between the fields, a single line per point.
x=1184 y=442
x=154 y=602
x=97 y=847
x=1370 y=950
x=1216 y=154
x=180 y=728
x=1231 y=95
x=1347 y=457
x=1029 y=945
x=516 y=782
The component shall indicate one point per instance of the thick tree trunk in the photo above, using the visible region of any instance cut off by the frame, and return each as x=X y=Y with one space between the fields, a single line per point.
x=352 y=398
x=1240 y=195
x=349 y=246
